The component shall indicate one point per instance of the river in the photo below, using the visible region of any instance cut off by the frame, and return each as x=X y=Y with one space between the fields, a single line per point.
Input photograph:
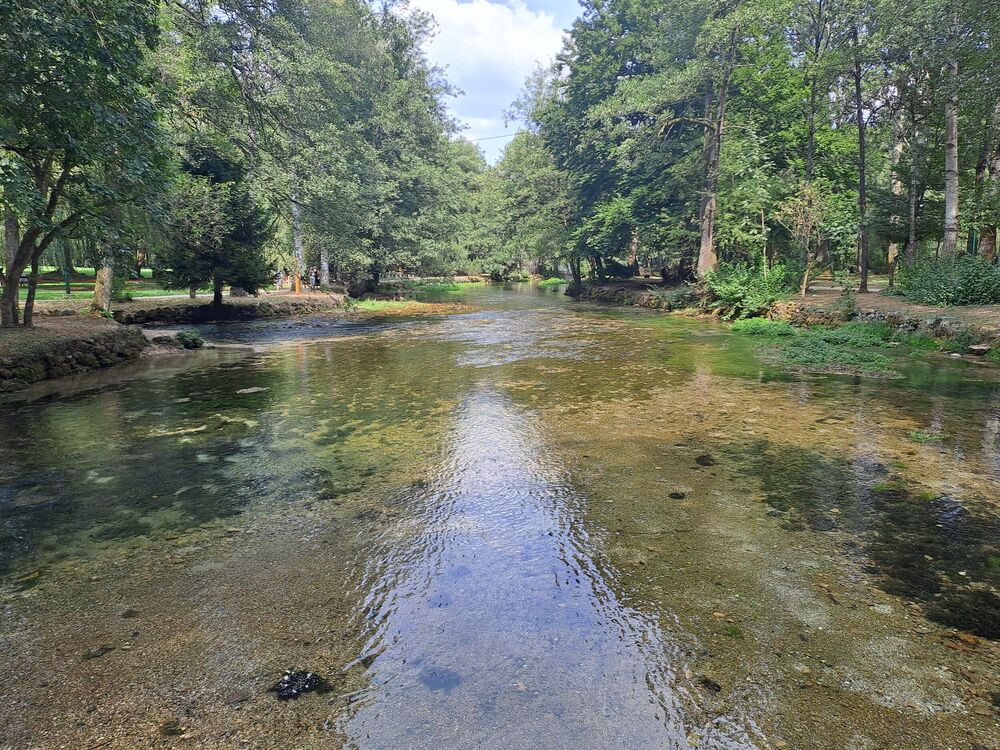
x=536 y=523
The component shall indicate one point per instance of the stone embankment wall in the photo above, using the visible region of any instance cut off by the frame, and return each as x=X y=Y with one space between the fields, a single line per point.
x=253 y=310
x=938 y=326
x=670 y=298
x=72 y=356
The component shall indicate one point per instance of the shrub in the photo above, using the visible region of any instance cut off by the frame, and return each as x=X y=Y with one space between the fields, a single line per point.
x=857 y=334
x=763 y=327
x=118 y=291
x=811 y=351
x=963 y=280
x=554 y=281
x=190 y=339
x=961 y=341
x=743 y=291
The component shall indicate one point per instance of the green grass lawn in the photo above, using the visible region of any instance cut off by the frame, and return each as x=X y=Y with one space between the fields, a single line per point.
x=147 y=273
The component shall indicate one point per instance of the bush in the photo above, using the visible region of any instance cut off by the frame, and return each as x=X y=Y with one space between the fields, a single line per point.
x=190 y=339
x=763 y=327
x=743 y=291
x=813 y=352
x=118 y=291
x=554 y=281
x=963 y=280
x=857 y=334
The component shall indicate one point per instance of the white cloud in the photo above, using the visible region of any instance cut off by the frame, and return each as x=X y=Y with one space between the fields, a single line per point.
x=488 y=49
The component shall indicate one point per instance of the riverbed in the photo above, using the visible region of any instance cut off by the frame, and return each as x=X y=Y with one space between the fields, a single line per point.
x=536 y=523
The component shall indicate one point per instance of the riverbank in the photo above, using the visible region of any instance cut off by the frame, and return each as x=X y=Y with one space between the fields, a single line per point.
x=972 y=330
x=65 y=346
x=70 y=341
x=172 y=310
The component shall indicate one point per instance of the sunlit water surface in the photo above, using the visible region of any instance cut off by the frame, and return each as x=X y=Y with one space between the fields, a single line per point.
x=482 y=527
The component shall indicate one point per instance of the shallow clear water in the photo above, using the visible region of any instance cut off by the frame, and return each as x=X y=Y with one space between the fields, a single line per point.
x=536 y=524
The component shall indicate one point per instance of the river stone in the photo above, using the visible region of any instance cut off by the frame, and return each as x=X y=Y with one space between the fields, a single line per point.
x=294 y=684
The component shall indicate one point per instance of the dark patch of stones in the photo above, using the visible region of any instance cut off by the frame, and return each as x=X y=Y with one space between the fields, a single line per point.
x=293 y=684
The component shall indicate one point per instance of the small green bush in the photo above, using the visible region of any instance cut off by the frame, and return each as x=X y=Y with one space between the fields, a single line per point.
x=962 y=280
x=190 y=339
x=763 y=327
x=118 y=291
x=809 y=350
x=961 y=341
x=918 y=341
x=554 y=281
x=743 y=291
x=856 y=334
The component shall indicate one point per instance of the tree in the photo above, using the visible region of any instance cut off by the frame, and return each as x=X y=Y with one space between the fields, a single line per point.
x=219 y=230
x=78 y=123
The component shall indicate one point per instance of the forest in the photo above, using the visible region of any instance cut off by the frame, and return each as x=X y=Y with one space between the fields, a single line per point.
x=760 y=143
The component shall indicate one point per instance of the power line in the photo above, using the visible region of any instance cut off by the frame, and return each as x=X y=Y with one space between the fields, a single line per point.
x=491 y=137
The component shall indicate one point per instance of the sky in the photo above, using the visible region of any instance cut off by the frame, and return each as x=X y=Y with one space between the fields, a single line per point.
x=488 y=48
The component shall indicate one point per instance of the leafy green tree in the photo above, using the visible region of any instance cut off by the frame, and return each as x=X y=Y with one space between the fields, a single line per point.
x=78 y=124
x=218 y=230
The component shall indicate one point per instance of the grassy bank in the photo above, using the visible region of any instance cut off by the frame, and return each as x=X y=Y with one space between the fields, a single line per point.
x=854 y=347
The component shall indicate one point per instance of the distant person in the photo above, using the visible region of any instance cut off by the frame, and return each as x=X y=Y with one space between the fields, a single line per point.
x=315 y=278
x=279 y=280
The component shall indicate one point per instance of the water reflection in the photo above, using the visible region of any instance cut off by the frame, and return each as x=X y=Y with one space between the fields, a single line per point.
x=492 y=616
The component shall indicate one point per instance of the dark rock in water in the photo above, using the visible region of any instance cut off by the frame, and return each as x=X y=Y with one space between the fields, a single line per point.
x=705 y=459
x=677 y=495
x=98 y=651
x=709 y=684
x=171 y=728
x=128 y=614
x=293 y=684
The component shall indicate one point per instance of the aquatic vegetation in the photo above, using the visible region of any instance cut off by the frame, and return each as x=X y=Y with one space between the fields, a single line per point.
x=763 y=327
x=813 y=352
x=190 y=339
x=845 y=349
x=961 y=341
x=918 y=341
x=856 y=334
x=551 y=282
x=436 y=287
x=922 y=436
x=940 y=551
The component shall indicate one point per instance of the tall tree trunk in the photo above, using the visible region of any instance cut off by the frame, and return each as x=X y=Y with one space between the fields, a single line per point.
x=811 y=120
x=102 y=284
x=217 y=289
x=67 y=257
x=862 y=171
x=988 y=240
x=633 y=252
x=29 y=299
x=918 y=141
x=950 y=244
x=9 y=313
x=324 y=266
x=9 y=309
x=574 y=267
x=707 y=258
x=297 y=241
x=892 y=252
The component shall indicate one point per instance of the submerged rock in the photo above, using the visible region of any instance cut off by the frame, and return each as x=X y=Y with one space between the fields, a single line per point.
x=705 y=459
x=293 y=684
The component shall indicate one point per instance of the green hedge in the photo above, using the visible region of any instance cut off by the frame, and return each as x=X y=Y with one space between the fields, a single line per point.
x=963 y=280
